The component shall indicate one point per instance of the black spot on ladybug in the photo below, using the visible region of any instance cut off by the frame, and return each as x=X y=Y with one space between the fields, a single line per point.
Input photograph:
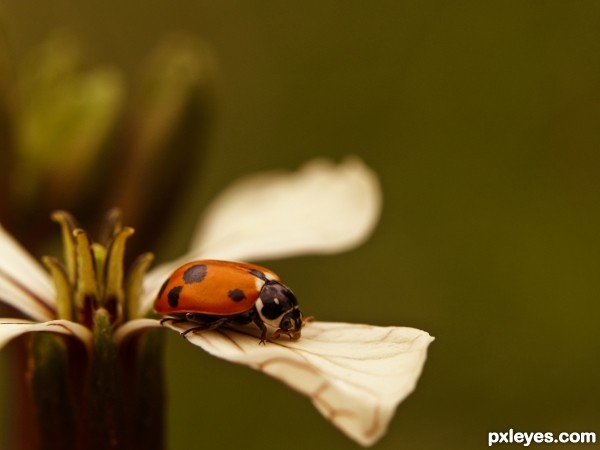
x=195 y=274
x=258 y=274
x=272 y=310
x=173 y=296
x=162 y=288
x=237 y=295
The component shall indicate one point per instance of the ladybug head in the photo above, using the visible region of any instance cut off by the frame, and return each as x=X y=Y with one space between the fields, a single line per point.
x=278 y=307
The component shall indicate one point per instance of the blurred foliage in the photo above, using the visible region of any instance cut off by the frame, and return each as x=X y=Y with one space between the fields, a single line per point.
x=481 y=119
x=75 y=138
x=61 y=119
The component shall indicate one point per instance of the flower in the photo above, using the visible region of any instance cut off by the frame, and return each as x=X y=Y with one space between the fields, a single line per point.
x=354 y=374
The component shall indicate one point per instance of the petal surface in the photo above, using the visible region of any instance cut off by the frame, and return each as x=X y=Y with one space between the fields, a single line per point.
x=322 y=208
x=152 y=283
x=13 y=328
x=355 y=375
x=24 y=284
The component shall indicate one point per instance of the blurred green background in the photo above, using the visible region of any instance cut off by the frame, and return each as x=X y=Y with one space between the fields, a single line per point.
x=482 y=121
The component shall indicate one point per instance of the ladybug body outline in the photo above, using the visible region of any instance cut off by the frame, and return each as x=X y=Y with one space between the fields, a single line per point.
x=214 y=293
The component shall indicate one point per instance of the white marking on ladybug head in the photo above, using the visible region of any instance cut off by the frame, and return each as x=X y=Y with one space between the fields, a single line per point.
x=272 y=321
x=259 y=306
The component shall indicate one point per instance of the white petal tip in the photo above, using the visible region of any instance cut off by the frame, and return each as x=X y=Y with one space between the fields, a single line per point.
x=322 y=208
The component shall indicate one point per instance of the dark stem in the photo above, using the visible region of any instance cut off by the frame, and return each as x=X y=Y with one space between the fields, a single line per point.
x=52 y=393
x=113 y=401
x=105 y=394
x=145 y=409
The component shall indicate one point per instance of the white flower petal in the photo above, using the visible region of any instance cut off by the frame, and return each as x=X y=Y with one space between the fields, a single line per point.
x=322 y=208
x=131 y=327
x=24 y=284
x=153 y=281
x=355 y=375
x=12 y=328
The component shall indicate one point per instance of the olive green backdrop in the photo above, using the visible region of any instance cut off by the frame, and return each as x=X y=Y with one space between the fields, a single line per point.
x=481 y=119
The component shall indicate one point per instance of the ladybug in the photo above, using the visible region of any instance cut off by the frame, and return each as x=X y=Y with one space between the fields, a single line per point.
x=212 y=293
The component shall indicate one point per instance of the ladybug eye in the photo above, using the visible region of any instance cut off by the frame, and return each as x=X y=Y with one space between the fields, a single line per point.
x=285 y=323
x=291 y=321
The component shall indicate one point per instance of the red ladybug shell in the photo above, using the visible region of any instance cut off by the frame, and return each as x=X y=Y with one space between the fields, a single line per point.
x=212 y=287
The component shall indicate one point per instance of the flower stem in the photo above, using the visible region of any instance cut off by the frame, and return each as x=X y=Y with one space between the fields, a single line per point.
x=125 y=390
x=105 y=419
x=52 y=393
x=145 y=410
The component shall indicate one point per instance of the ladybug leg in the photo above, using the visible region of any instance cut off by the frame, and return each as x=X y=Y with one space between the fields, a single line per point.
x=203 y=323
x=263 y=335
x=277 y=334
x=307 y=320
x=173 y=320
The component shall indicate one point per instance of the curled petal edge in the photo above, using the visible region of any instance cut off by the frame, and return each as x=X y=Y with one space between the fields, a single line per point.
x=13 y=328
x=133 y=327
